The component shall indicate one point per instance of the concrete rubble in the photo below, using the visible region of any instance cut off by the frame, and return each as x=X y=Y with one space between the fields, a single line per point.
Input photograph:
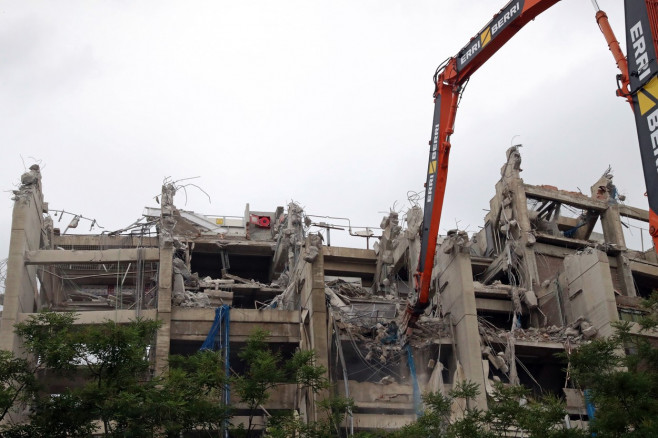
x=543 y=334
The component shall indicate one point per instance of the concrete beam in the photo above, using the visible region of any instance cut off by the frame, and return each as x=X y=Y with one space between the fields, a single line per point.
x=384 y=395
x=584 y=202
x=347 y=267
x=104 y=240
x=54 y=257
x=445 y=340
x=644 y=268
x=560 y=241
x=382 y=422
x=494 y=292
x=281 y=397
x=365 y=255
x=211 y=244
x=553 y=251
x=101 y=316
x=634 y=213
x=193 y=324
x=481 y=263
x=550 y=347
x=237 y=315
x=349 y=260
x=492 y=305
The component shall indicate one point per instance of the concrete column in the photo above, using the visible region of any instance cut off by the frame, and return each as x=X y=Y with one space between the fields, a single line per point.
x=458 y=301
x=522 y=232
x=509 y=214
x=613 y=234
x=604 y=190
x=313 y=304
x=21 y=290
x=590 y=290
x=625 y=275
x=163 y=339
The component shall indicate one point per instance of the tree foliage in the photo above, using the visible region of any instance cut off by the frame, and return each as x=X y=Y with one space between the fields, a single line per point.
x=118 y=390
x=334 y=412
x=18 y=383
x=621 y=374
x=512 y=412
x=107 y=377
x=194 y=389
x=116 y=387
x=266 y=369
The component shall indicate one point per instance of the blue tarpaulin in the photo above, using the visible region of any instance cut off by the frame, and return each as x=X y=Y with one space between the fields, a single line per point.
x=414 y=379
x=218 y=340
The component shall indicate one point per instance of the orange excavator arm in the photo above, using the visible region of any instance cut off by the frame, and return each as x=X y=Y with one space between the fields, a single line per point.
x=450 y=79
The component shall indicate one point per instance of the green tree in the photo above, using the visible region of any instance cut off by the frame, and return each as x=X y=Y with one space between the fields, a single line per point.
x=265 y=370
x=511 y=412
x=17 y=382
x=512 y=408
x=116 y=388
x=335 y=410
x=436 y=420
x=194 y=394
x=621 y=373
x=113 y=359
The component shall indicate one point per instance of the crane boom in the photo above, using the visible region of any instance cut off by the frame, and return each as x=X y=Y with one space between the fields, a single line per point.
x=639 y=88
x=641 y=48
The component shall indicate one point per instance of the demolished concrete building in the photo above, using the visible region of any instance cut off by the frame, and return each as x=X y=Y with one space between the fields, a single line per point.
x=532 y=283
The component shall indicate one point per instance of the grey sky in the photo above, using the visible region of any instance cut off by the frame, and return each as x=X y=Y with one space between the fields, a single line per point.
x=327 y=103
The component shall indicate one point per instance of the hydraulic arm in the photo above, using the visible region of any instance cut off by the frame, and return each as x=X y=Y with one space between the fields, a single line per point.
x=639 y=87
x=641 y=48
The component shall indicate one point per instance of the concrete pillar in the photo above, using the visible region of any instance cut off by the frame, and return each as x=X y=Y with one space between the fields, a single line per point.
x=509 y=219
x=590 y=290
x=163 y=338
x=605 y=190
x=21 y=290
x=316 y=324
x=458 y=302
x=613 y=234
x=385 y=249
x=611 y=223
x=625 y=275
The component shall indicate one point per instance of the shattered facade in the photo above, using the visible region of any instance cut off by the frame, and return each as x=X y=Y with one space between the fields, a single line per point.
x=535 y=281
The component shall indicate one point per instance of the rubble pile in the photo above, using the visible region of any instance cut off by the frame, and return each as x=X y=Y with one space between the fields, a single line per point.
x=76 y=296
x=185 y=287
x=192 y=299
x=578 y=331
x=377 y=343
x=385 y=345
x=346 y=290
x=356 y=305
x=371 y=321
x=361 y=313
x=190 y=291
x=427 y=330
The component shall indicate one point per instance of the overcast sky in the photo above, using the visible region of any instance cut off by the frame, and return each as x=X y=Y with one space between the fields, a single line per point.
x=328 y=103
